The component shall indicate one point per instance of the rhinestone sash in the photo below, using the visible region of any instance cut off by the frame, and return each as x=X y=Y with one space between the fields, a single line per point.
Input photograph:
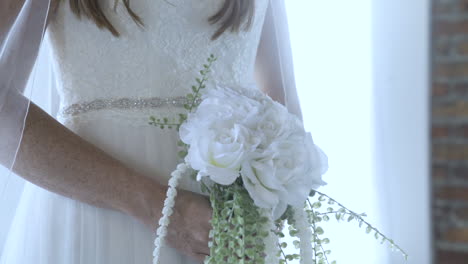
x=123 y=104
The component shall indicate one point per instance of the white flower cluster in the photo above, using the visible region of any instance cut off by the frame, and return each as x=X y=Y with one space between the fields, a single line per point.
x=235 y=134
x=180 y=172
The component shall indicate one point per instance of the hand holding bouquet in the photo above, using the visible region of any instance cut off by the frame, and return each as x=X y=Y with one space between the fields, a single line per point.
x=259 y=167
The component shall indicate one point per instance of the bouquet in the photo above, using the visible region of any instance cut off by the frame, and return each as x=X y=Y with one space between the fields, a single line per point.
x=260 y=169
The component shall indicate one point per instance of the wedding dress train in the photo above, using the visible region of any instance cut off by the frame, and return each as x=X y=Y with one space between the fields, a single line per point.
x=108 y=88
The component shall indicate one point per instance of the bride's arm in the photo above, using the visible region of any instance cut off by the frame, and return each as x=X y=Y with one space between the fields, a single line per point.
x=56 y=159
x=267 y=69
x=274 y=71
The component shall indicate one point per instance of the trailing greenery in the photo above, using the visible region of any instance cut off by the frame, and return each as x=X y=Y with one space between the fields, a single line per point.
x=342 y=213
x=320 y=254
x=238 y=227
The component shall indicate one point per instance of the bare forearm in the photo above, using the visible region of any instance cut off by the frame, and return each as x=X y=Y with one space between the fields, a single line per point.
x=56 y=159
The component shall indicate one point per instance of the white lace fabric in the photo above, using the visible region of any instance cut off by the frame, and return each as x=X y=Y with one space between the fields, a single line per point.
x=160 y=59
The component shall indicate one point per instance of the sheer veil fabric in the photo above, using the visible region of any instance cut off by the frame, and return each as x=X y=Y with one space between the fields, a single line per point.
x=18 y=56
x=18 y=53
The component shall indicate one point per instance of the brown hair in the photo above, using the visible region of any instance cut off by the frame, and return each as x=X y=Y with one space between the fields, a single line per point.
x=229 y=17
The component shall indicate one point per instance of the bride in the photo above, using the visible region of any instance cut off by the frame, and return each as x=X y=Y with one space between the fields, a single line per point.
x=97 y=172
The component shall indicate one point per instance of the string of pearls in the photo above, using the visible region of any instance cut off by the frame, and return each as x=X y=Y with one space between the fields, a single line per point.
x=271 y=241
x=304 y=235
x=181 y=170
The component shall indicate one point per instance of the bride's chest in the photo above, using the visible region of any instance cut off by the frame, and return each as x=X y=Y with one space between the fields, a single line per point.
x=168 y=25
x=160 y=58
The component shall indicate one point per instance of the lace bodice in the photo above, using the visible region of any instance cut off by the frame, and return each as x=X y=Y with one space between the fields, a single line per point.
x=158 y=60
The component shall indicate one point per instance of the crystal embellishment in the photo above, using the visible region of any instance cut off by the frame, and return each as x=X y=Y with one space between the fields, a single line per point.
x=124 y=104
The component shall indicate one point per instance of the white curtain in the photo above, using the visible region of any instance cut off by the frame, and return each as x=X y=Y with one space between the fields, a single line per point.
x=401 y=113
x=362 y=77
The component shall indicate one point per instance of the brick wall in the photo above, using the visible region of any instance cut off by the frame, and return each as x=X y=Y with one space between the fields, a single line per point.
x=450 y=130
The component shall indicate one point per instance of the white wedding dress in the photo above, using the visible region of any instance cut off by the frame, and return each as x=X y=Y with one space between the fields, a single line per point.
x=108 y=88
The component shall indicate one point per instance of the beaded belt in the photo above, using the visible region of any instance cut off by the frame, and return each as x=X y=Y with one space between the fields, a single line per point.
x=124 y=104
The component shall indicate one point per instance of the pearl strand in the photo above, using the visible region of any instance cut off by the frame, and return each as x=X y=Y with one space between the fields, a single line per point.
x=271 y=241
x=167 y=211
x=304 y=235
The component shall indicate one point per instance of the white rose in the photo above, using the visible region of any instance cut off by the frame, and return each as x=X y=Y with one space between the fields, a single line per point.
x=264 y=188
x=219 y=154
x=300 y=165
x=217 y=137
x=274 y=121
x=285 y=172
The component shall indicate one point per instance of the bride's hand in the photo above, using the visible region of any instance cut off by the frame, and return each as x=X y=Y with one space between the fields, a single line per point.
x=190 y=225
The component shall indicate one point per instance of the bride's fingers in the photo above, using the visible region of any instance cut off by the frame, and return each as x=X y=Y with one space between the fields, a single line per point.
x=201 y=257
x=202 y=249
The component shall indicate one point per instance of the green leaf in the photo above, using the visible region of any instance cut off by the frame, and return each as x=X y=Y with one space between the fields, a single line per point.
x=182 y=154
x=338 y=216
x=319 y=230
